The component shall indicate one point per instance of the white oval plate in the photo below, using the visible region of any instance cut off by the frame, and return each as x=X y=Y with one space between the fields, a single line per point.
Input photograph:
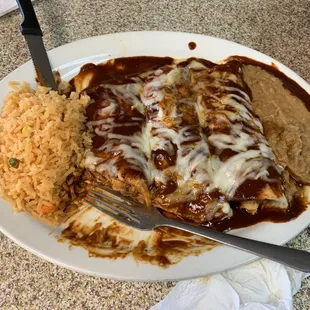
x=37 y=238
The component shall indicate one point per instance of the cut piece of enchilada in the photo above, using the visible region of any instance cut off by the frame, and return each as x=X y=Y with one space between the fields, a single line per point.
x=179 y=149
x=118 y=157
x=184 y=139
x=243 y=164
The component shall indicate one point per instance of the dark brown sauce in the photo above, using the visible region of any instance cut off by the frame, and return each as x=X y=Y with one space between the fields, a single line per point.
x=192 y=45
x=166 y=188
x=226 y=154
x=114 y=69
x=251 y=189
x=165 y=243
x=163 y=160
x=194 y=211
x=124 y=68
x=242 y=218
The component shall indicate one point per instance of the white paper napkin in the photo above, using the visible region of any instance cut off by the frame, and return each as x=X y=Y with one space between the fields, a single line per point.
x=262 y=285
x=7 y=6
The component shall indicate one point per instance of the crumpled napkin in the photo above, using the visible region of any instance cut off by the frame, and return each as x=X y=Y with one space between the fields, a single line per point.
x=262 y=285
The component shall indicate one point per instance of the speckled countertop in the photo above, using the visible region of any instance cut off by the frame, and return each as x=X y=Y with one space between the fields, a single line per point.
x=280 y=29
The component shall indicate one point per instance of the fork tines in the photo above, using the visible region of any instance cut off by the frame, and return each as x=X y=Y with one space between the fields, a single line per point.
x=108 y=201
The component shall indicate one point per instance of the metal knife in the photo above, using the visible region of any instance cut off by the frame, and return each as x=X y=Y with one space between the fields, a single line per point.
x=32 y=32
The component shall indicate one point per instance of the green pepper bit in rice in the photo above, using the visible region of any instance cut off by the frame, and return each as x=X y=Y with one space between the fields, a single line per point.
x=13 y=162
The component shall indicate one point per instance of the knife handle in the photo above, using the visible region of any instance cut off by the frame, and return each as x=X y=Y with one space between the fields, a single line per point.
x=30 y=24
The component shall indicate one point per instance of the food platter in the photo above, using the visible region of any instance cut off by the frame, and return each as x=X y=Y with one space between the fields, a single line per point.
x=40 y=239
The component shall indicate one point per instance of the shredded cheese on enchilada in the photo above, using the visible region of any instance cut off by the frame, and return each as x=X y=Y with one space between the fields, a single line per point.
x=187 y=133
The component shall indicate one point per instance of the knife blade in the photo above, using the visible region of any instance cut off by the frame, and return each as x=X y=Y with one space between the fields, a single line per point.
x=32 y=33
x=40 y=61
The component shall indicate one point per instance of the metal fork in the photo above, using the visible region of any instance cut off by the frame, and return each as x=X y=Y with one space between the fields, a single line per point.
x=142 y=217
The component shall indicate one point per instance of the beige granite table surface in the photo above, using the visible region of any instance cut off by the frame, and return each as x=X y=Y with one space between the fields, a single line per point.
x=280 y=29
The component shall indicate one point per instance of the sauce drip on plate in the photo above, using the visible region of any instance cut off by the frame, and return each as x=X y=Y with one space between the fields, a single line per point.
x=192 y=45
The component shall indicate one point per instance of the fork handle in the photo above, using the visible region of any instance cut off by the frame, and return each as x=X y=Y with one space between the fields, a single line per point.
x=296 y=259
x=30 y=24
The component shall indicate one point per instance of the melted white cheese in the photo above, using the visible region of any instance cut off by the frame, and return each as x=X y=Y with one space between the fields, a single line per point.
x=195 y=167
x=248 y=163
x=134 y=148
x=109 y=109
x=129 y=93
x=191 y=160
